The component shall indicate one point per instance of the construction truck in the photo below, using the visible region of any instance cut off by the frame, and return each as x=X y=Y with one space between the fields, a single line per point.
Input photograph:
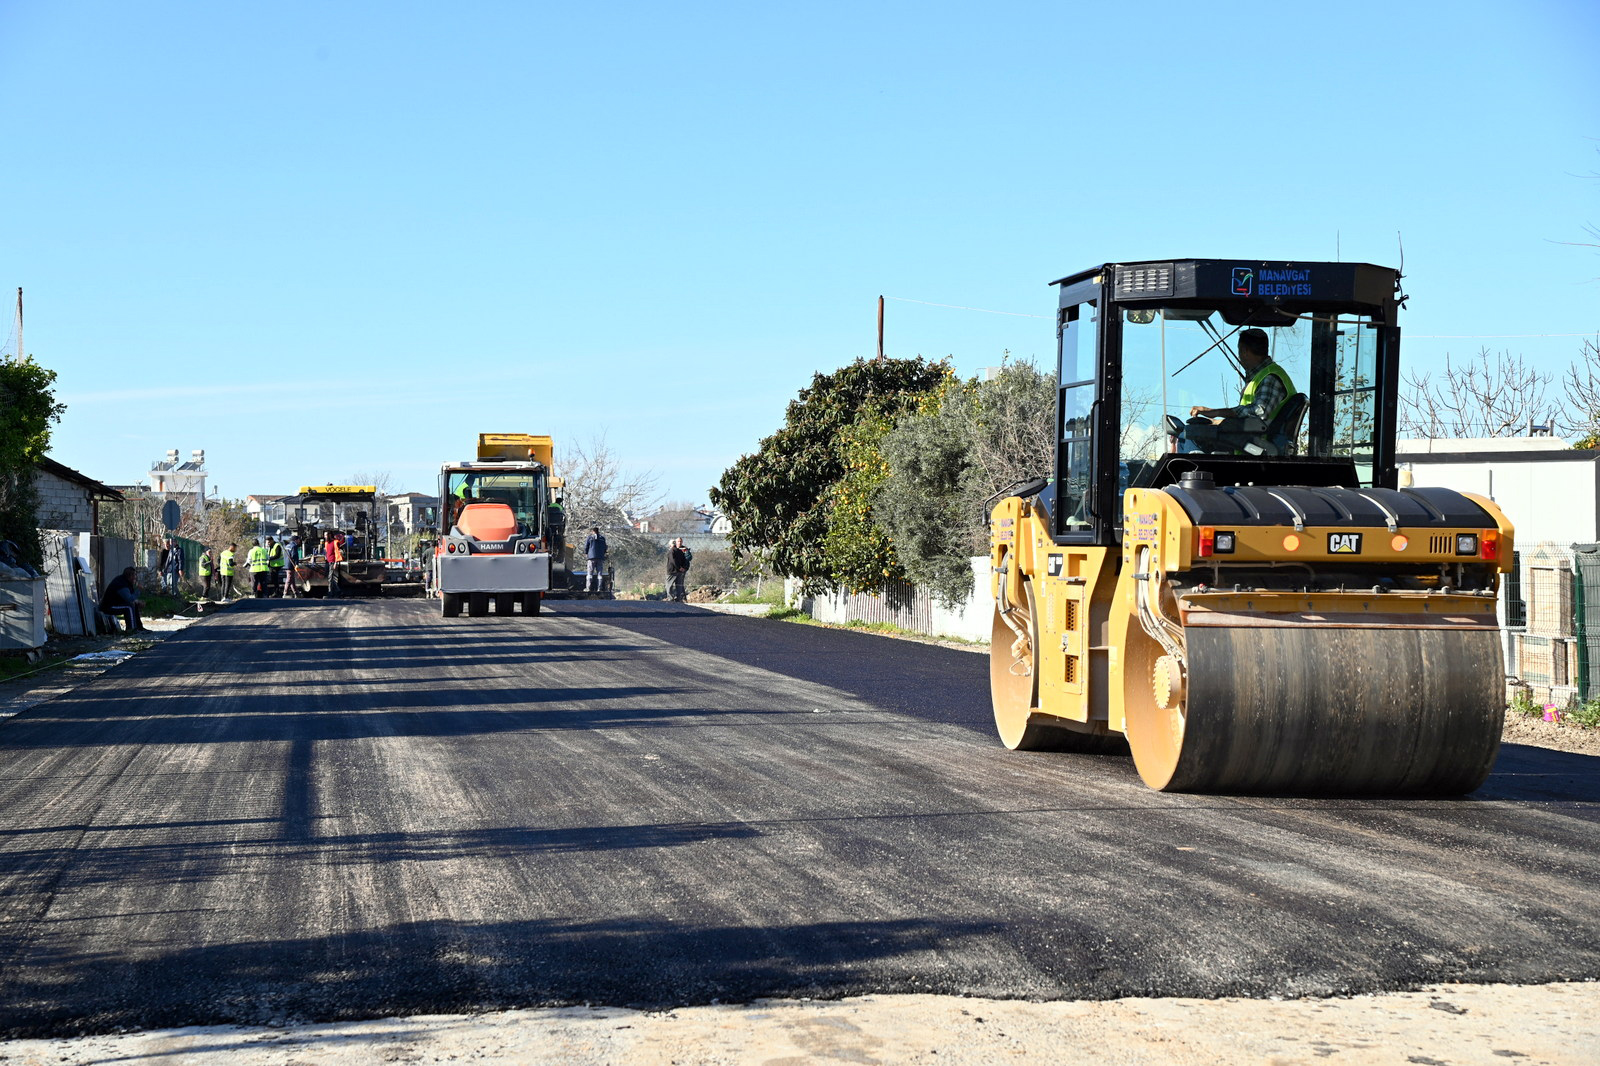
x=362 y=568
x=1251 y=599
x=496 y=529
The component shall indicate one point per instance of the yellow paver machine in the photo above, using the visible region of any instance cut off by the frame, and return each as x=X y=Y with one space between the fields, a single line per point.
x=1231 y=577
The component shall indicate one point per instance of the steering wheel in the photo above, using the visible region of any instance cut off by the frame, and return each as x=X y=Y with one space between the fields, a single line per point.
x=1174 y=426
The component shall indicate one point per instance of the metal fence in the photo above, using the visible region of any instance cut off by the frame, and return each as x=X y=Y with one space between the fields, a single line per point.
x=1551 y=604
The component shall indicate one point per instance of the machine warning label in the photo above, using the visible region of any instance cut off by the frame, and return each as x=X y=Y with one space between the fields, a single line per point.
x=1053 y=566
x=1344 y=543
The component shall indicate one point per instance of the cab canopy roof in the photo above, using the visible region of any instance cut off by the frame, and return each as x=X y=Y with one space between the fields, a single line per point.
x=334 y=493
x=1243 y=285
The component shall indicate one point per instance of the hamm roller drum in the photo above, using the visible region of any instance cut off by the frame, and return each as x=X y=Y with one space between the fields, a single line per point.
x=1307 y=709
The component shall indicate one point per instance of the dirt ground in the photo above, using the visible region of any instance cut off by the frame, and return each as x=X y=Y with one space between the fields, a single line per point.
x=1451 y=1025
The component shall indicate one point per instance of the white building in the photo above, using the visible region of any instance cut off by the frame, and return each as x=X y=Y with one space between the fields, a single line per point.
x=1549 y=491
x=267 y=508
x=411 y=512
x=174 y=477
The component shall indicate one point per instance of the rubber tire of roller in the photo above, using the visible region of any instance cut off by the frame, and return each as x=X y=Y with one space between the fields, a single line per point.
x=477 y=604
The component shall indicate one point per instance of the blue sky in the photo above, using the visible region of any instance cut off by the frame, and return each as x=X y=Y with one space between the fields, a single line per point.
x=316 y=239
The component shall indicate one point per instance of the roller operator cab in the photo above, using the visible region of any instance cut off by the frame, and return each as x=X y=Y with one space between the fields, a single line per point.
x=495 y=546
x=1246 y=597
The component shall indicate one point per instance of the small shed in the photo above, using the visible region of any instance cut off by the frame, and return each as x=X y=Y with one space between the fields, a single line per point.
x=69 y=501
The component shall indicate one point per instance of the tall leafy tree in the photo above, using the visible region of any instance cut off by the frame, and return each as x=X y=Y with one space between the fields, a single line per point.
x=27 y=410
x=946 y=460
x=783 y=500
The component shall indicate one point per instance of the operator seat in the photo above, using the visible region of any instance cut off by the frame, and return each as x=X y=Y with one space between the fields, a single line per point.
x=1282 y=435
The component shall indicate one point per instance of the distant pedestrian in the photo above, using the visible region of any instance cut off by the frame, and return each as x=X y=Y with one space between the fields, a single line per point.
x=227 y=566
x=121 y=600
x=678 y=560
x=207 y=570
x=594 y=550
x=171 y=567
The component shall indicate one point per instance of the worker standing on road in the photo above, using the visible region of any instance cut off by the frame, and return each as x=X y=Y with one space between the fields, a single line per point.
x=274 y=564
x=207 y=568
x=594 y=549
x=227 y=568
x=256 y=560
x=332 y=551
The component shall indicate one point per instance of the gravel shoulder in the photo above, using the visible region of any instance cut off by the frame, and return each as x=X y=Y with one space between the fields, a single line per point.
x=1458 y=1025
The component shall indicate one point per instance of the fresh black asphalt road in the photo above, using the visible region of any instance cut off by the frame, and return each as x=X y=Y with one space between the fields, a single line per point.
x=317 y=810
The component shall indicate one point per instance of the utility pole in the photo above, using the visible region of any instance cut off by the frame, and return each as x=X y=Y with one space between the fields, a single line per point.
x=880 y=328
x=21 y=351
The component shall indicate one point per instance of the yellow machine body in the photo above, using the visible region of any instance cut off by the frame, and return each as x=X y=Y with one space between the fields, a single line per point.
x=1224 y=575
x=522 y=447
x=1222 y=686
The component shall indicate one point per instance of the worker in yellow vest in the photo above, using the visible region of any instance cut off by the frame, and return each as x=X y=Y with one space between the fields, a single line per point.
x=227 y=568
x=207 y=570
x=274 y=565
x=256 y=560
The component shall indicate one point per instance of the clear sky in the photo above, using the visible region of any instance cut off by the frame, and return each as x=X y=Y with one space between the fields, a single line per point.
x=321 y=238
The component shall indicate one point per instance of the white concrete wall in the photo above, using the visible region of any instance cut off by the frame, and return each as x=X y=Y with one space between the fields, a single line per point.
x=913 y=609
x=1545 y=500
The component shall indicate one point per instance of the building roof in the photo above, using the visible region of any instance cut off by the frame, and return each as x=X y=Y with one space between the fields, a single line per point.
x=66 y=473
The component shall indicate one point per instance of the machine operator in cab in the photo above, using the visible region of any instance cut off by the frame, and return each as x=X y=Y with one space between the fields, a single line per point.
x=1266 y=389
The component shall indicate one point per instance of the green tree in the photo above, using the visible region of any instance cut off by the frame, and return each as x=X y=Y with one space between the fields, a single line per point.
x=27 y=410
x=946 y=460
x=783 y=500
x=859 y=554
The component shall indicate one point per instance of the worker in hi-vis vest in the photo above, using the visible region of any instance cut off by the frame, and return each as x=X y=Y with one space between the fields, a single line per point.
x=257 y=561
x=274 y=564
x=227 y=568
x=207 y=570
x=1267 y=388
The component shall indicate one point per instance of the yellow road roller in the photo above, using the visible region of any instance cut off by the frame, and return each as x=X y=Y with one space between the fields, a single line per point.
x=1224 y=570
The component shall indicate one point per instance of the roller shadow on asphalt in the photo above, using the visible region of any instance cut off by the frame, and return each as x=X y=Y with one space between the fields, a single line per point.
x=952 y=686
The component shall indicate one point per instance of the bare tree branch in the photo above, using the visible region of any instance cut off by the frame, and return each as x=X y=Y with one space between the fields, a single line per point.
x=599 y=492
x=1583 y=388
x=1500 y=396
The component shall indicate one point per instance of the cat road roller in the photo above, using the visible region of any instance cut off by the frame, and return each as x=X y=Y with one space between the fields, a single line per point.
x=1226 y=573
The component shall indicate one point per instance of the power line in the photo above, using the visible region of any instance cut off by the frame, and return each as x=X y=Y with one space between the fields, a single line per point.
x=958 y=307
x=1491 y=336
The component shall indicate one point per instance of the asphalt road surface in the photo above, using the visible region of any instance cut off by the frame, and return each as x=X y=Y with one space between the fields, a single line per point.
x=321 y=810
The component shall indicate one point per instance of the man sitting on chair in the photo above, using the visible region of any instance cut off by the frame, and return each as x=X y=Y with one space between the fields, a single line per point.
x=1266 y=388
x=121 y=600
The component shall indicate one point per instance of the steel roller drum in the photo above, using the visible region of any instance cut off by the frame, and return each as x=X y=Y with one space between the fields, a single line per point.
x=1304 y=709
